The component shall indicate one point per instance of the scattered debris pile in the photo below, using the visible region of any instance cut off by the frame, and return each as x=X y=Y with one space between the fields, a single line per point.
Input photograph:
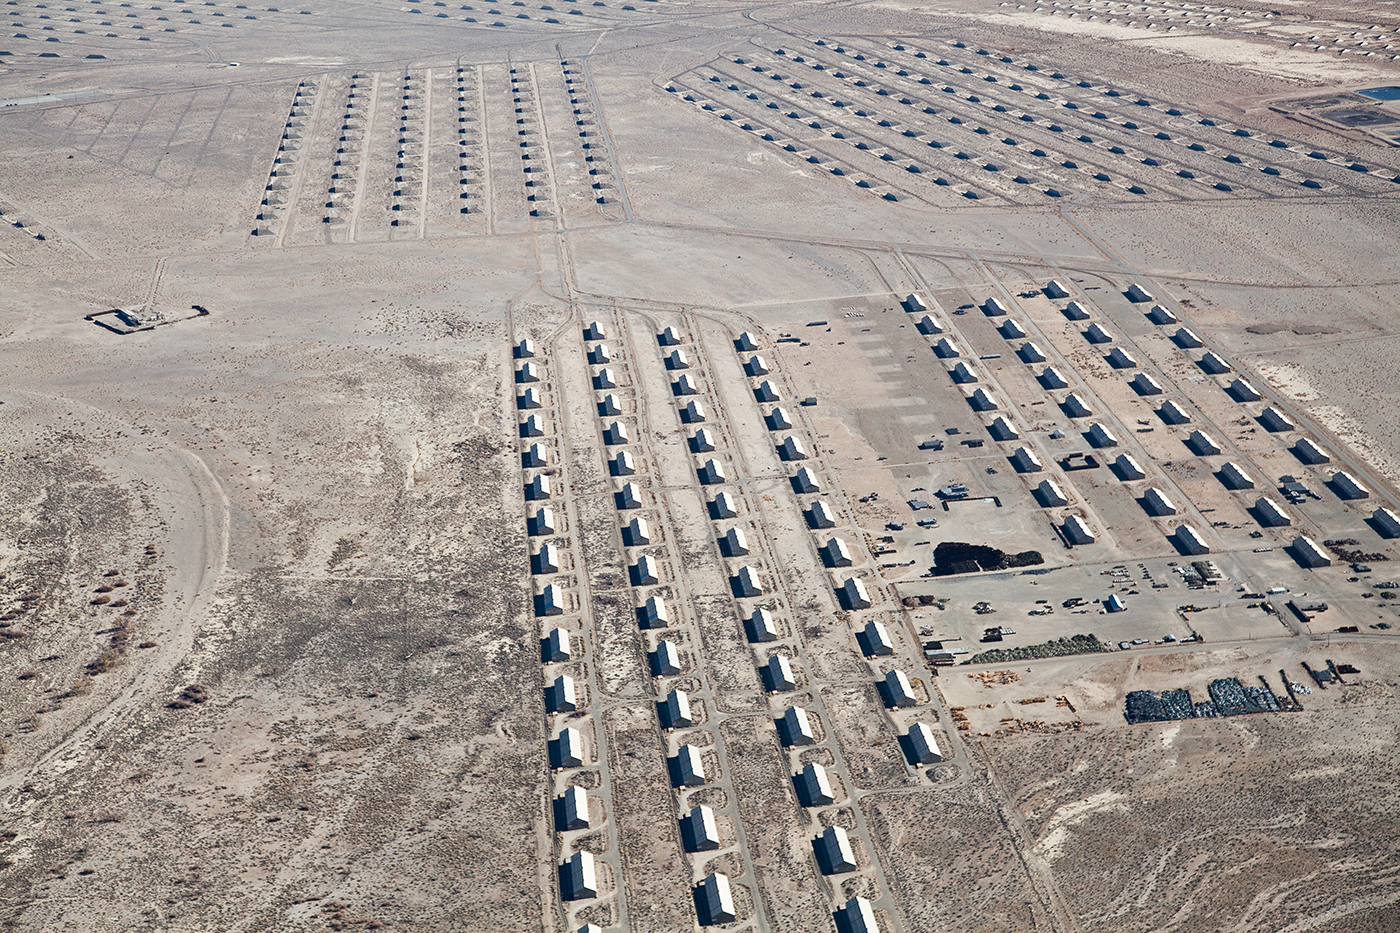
x=1058 y=648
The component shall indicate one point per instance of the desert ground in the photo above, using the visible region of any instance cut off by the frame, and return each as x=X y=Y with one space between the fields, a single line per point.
x=564 y=465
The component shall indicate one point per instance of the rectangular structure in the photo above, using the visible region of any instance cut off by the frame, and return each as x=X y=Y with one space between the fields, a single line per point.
x=923 y=742
x=1307 y=553
x=1190 y=540
x=761 y=626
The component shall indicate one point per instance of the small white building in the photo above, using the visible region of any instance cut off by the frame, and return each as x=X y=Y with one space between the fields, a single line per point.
x=1031 y=353
x=981 y=400
x=929 y=325
x=1173 y=413
x=779 y=419
x=563 y=695
x=993 y=307
x=854 y=595
x=1011 y=329
x=711 y=473
x=1160 y=315
x=690 y=766
x=805 y=481
x=669 y=337
x=1050 y=494
x=1243 y=391
x=1235 y=477
x=762 y=628
x=1308 y=451
x=735 y=543
x=722 y=506
x=1270 y=513
x=1387 y=522
x=1025 y=461
x=858 y=916
x=546 y=559
x=1076 y=407
x=624 y=464
x=1186 y=338
x=654 y=613
x=702 y=441
x=1076 y=311
x=568 y=749
x=1275 y=421
x=558 y=646
x=667 y=659
x=1004 y=430
x=693 y=412
x=684 y=385
x=1144 y=384
x=898 y=690
x=1096 y=334
x=797 y=727
x=716 y=899
x=1119 y=358
x=819 y=515
x=1127 y=467
x=646 y=571
x=573 y=809
x=747 y=582
x=675 y=710
x=605 y=379
x=1077 y=531
x=792 y=448
x=610 y=405
x=637 y=532
x=779 y=674
x=746 y=341
x=542 y=522
x=579 y=877
x=677 y=359
x=533 y=426
x=1100 y=435
x=1348 y=486
x=1203 y=444
x=629 y=496
x=702 y=835
x=1157 y=503
x=876 y=640
x=756 y=366
x=813 y=786
x=552 y=600
x=525 y=349
x=595 y=330
x=528 y=372
x=529 y=399
x=539 y=488
x=1137 y=294
x=536 y=455
x=1214 y=364
x=1306 y=552
x=599 y=354
x=1055 y=290
x=834 y=851
x=767 y=392
x=1190 y=540
x=923 y=741
x=914 y=303
x=836 y=553
x=963 y=373
x=1052 y=378
x=946 y=349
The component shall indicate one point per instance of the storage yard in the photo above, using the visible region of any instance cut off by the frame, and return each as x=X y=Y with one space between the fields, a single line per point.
x=673 y=466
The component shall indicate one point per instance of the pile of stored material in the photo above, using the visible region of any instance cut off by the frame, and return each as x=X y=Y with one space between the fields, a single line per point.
x=1060 y=647
x=1228 y=697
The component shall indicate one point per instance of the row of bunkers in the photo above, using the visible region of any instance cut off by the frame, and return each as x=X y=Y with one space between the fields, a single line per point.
x=1076 y=404
x=701 y=828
